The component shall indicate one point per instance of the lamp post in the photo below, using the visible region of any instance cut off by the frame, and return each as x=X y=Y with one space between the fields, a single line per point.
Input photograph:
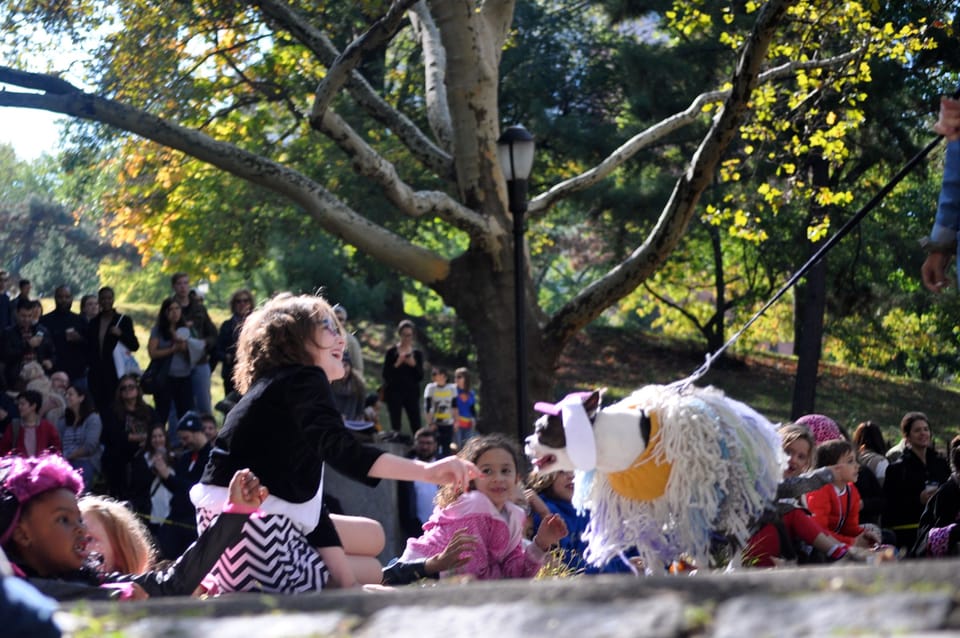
x=515 y=153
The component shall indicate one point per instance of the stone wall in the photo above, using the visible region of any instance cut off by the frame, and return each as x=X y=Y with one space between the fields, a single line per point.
x=378 y=503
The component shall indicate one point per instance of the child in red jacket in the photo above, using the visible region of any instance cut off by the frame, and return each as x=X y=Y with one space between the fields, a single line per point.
x=836 y=507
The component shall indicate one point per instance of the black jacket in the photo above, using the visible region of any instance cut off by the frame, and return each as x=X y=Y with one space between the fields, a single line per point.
x=179 y=578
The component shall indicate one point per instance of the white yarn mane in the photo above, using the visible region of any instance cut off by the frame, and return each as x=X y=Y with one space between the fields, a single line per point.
x=726 y=462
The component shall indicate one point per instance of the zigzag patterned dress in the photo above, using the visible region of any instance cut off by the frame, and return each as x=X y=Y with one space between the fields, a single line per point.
x=283 y=429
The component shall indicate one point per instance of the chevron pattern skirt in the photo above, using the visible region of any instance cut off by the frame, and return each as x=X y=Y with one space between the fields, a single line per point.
x=271 y=556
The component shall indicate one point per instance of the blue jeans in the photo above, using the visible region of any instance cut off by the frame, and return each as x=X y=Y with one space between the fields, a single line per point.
x=200 y=381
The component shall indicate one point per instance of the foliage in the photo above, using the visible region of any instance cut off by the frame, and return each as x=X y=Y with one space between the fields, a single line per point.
x=42 y=240
x=399 y=164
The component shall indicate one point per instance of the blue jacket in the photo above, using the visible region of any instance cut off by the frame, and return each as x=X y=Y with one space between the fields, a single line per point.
x=573 y=544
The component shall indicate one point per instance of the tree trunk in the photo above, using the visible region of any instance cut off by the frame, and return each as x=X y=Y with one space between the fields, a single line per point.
x=808 y=319
x=715 y=332
x=483 y=299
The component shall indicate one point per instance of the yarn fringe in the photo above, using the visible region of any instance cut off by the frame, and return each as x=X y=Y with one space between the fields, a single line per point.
x=726 y=464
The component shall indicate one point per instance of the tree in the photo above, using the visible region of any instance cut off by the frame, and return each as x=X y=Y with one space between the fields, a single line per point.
x=198 y=78
x=42 y=241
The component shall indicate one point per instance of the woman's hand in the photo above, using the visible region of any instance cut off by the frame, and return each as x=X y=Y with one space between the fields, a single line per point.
x=552 y=529
x=453 y=471
x=160 y=465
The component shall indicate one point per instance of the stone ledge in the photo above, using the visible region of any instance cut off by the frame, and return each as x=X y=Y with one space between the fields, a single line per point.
x=901 y=598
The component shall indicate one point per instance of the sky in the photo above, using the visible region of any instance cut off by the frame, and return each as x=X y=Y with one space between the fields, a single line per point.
x=31 y=132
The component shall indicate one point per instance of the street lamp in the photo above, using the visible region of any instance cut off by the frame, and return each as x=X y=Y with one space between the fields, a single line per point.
x=515 y=153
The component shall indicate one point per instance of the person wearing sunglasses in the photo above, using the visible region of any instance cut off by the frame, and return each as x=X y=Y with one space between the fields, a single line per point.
x=225 y=352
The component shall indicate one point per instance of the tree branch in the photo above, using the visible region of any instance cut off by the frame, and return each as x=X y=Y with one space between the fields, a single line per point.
x=339 y=72
x=497 y=18
x=673 y=220
x=419 y=145
x=670 y=303
x=472 y=95
x=542 y=203
x=435 y=66
x=367 y=162
x=330 y=213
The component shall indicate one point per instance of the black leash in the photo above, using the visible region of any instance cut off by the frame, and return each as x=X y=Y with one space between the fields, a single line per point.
x=852 y=223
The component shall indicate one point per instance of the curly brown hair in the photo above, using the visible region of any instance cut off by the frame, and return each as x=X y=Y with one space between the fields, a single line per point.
x=472 y=450
x=273 y=336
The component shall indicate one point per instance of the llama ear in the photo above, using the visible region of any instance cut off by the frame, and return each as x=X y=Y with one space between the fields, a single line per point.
x=592 y=403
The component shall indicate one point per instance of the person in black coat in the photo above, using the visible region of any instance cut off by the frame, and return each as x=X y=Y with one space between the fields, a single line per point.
x=69 y=336
x=912 y=480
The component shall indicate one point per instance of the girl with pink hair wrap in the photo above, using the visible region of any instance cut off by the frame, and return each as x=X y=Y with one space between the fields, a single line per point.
x=823 y=428
x=42 y=532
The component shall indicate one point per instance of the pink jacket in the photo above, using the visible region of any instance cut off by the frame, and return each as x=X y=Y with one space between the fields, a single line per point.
x=501 y=551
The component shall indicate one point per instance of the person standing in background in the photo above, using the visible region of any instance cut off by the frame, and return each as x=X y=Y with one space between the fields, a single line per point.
x=196 y=318
x=241 y=305
x=6 y=307
x=402 y=373
x=69 y=341
x=353 y=344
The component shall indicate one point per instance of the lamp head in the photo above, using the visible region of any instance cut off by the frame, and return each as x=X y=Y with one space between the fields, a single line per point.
x=515 y=153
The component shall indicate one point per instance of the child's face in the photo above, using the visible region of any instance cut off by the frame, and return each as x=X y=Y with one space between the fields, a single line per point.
x=798 y=458
x=848 y=469
x=562 y=487
x=326 y=348
x=26 y=408
x=499 y=476
x=461 y=381
x=98 y=541
x=51 y=536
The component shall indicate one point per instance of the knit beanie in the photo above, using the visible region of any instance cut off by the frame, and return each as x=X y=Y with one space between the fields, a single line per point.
x=822 y=427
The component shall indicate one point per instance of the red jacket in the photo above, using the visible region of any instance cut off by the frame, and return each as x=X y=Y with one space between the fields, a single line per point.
x=838 y=514
x=47 y=439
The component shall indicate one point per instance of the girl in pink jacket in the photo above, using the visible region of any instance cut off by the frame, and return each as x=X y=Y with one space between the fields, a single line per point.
x=480 y=532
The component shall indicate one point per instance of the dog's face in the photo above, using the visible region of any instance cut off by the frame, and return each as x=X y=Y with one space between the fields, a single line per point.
x=547 y=446
x=620 y=436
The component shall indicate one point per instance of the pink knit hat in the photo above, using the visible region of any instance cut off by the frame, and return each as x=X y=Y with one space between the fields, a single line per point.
x=23 y=479
x=822 y=427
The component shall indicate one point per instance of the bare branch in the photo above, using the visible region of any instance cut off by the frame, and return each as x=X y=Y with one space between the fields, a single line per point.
x=367 y=162
x=497 y=19
x=329 y=212
x=419 y=145
x=435 y=66
x=338 y=73
x=671 y=225
x=472 y=83
x=37 y=81
x=670 y=303
x=542 y=203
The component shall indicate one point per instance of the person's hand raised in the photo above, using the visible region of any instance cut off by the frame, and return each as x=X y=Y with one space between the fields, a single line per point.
x=456 y=554
x=552 y=529
x=452 y=471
